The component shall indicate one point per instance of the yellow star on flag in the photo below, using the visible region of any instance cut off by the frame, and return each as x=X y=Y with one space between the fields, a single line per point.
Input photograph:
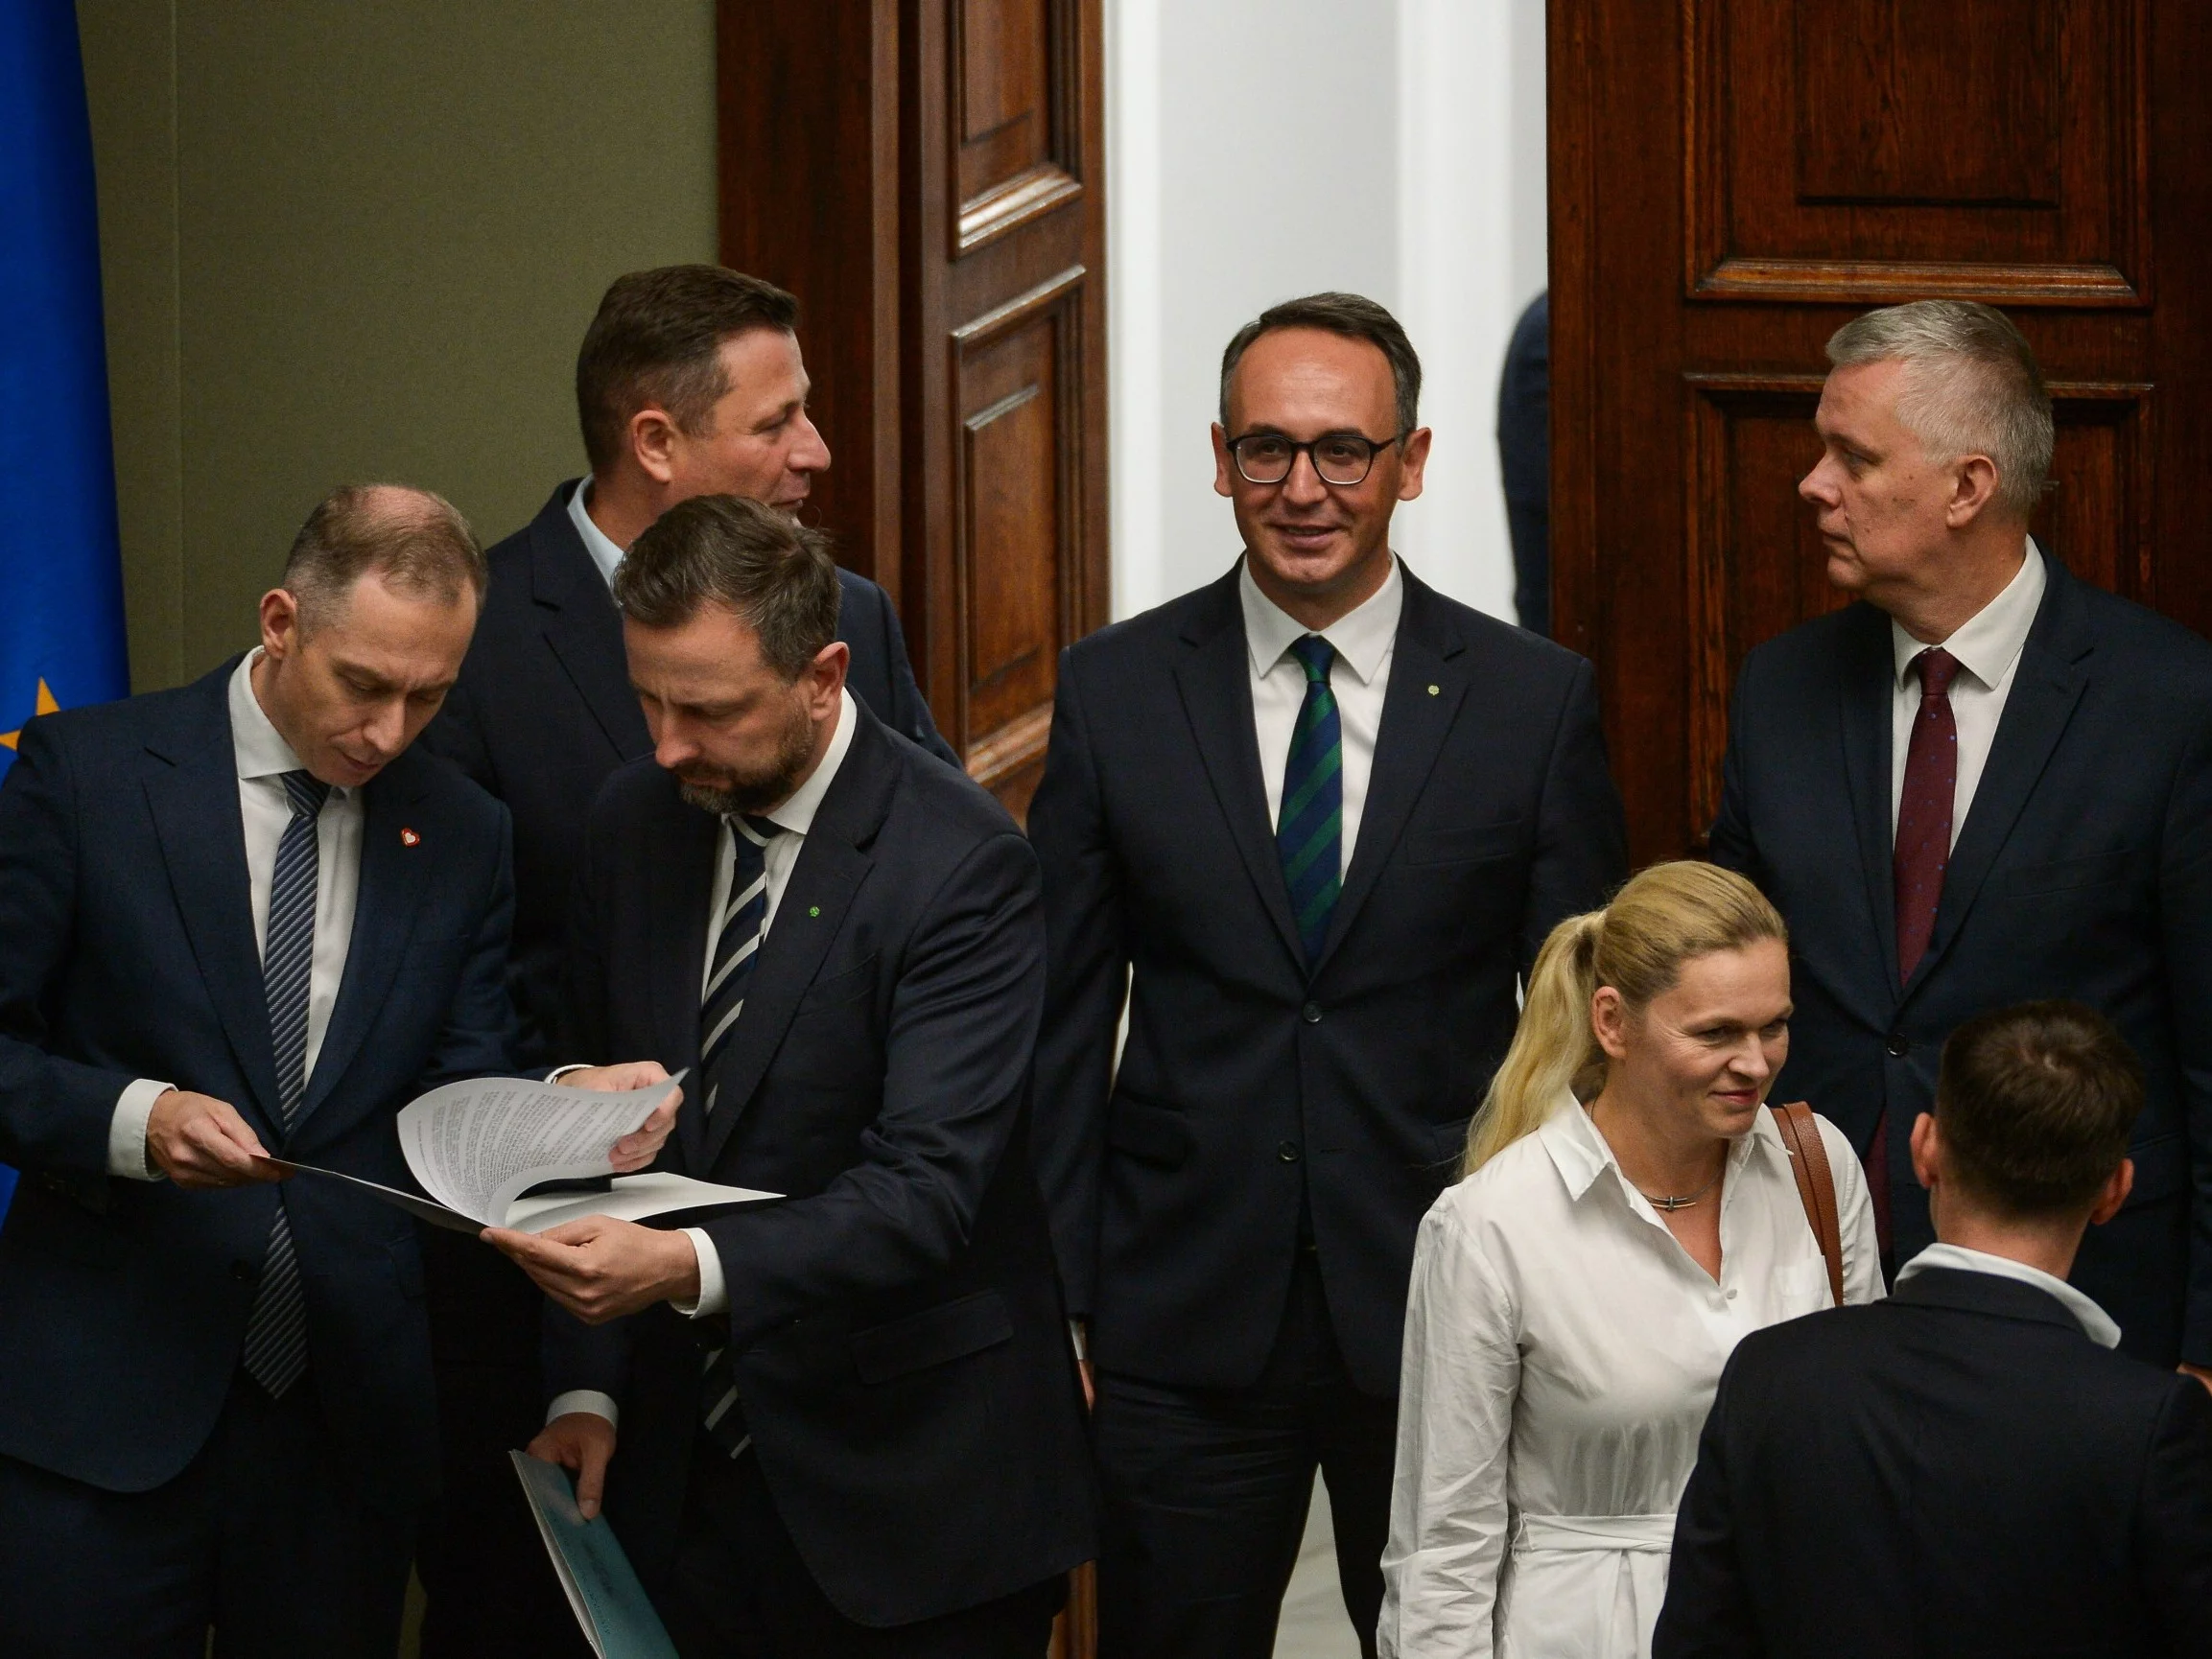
x=46 y=705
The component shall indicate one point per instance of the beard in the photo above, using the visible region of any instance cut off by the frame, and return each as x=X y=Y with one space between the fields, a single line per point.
x=723 y=790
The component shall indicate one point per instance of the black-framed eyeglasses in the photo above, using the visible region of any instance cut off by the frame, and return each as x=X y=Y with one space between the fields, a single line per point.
x=1339 y=458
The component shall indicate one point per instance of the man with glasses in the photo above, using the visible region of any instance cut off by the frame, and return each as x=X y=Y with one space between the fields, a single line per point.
x=1307 y=823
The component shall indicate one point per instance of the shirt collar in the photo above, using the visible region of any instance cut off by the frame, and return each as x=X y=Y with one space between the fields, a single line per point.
x=1581 y=1154
x=1362 y=637
x=1991 y=639
x=2092 y=1318
x=604 y=553
x=259 y=747
x=797 y=814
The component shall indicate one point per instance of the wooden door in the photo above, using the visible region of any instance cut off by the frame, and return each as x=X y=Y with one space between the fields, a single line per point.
x=1730 y=181
x=926 y=176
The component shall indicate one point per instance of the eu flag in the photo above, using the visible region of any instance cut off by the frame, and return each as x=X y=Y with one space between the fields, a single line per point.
x=60 y=575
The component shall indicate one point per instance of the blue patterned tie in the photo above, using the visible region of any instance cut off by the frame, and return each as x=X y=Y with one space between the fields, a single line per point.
x=1309 y=828
x=276 y=1330
x=737 y=945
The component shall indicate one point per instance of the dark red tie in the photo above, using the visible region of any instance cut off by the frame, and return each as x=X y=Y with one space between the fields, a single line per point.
x=1923 y=847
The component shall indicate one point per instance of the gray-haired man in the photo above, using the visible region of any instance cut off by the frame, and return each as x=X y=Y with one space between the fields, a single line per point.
x=1988 y=783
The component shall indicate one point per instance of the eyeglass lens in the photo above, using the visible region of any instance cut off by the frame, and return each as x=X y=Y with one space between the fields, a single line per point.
x=1339 y=459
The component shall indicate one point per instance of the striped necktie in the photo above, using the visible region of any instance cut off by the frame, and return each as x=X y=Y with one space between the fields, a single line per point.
x=737 y=949
x=276 y=1330
x=736 y=943
x=1309 y=828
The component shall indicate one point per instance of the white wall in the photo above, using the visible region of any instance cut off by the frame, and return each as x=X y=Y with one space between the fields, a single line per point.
x=1404 y=142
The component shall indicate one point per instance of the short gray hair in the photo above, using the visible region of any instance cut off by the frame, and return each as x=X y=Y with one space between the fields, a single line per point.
x=775 y=573
x=415 y=540
x=1973 y=388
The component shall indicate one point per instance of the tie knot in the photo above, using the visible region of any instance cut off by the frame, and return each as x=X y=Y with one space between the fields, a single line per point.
x=760 y=832
x=307 y=793
x=1936 y=667
x=1315 y=655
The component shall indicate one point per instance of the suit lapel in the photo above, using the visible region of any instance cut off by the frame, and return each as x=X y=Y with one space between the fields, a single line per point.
x=1215 y=683
x=2047 y=686
x=680 y=883
x=194 y=799
x=1864 y=698
x=831 y=865
x=1428 y=683
x=394 y=875
x=582 y=626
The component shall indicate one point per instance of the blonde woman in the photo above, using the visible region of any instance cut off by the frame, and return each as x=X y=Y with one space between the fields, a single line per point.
x=1629 y=1214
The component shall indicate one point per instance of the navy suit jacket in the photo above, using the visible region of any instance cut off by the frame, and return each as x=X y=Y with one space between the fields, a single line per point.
x=1958 y=1470
x=901 y=1346
x=544 y=712
x=127 y=951
x=2084 y=870
x=1249 y=1082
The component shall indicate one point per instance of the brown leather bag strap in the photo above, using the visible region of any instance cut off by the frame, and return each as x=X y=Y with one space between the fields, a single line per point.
x=1816 y=1185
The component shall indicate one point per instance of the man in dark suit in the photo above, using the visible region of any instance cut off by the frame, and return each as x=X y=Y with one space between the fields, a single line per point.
x=239 y=915
x=850 y=1421
x=689 y=382
x=1984 y=784
x=1964 y=1468
x=1307 y=823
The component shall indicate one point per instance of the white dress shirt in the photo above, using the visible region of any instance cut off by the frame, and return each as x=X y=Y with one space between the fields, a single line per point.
x=604 y=553
x=1987 y=648
x=1562 y=1348
x=795 y=817
x=2095 y=1323
x=1366 y=639
x=263 y=757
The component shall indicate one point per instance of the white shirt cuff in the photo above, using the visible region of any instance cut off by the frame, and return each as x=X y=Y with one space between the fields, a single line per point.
x=127 y=1131
x=714 y=1296
x=585 y=1400
x=560 y=1071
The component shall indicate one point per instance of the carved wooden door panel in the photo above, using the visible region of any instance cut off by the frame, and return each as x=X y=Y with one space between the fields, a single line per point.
x=926 y=176
x=1732 y=180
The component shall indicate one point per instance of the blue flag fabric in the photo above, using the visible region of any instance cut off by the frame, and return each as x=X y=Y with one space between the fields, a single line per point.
x=60 y=573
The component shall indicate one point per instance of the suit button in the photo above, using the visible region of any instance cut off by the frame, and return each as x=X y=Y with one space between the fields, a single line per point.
x=1899 y=1045
x=1287 y=1151
x=243 y=1273
x=1310 y=1014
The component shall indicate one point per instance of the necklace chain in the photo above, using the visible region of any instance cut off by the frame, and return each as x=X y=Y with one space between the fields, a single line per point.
x=1669 y=1202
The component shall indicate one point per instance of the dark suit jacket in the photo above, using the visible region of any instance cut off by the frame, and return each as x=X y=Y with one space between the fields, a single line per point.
x=544 y=712
x=902 y=1352
x=2084 y=870
x=128 y=952
x=1958 y=1470
x=1247 y=1082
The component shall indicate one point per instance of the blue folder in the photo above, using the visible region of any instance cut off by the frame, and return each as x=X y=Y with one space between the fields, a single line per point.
x=603 y=1587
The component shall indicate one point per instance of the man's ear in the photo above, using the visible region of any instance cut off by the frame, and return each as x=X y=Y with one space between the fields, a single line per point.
x=1928 y=1151
x=280 y=624
x=827 y=672
x=1224 y=481
x=652 y=438
x=2117 y=1187
x=1973 y=487
x=1413 y=462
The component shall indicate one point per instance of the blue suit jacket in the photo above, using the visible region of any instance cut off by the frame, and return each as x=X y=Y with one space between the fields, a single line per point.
x=1250 y=1084
x=543 y=714
x=2084 y=870
x=127 y=951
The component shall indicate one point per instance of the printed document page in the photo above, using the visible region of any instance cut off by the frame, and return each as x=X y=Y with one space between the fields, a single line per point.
x=476 y=1145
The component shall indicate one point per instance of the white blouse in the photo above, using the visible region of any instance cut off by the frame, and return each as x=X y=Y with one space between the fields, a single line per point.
x=1562 y=1348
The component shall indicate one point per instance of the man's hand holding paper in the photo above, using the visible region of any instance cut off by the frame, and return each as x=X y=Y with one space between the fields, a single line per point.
x=636 y=1150
x=602 y=1267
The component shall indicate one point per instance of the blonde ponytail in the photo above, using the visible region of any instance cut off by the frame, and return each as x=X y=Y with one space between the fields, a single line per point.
x=1552 y=1047
x=1660 y=920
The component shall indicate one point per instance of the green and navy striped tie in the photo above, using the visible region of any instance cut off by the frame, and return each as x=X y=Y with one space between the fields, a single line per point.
x=1309 y=829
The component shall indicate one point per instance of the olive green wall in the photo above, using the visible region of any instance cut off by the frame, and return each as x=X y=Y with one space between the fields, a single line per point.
x=360 y=241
